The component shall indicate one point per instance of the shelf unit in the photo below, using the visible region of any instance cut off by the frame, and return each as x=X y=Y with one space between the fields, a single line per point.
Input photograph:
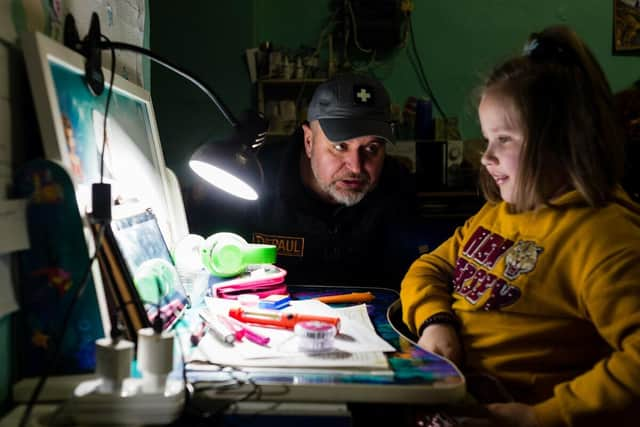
x=296 y=92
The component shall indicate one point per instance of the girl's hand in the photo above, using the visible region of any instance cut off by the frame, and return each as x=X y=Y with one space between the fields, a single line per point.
x=442 y=339
x=513 y=414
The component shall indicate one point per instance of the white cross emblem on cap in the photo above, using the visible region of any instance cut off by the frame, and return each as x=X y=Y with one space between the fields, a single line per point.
x=363 y=95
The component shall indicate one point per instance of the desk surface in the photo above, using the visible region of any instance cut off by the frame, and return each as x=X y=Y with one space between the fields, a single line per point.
x=418 y=376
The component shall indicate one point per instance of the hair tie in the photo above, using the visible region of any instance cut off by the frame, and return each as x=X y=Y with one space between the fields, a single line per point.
x=530 y=47
x=546 y=50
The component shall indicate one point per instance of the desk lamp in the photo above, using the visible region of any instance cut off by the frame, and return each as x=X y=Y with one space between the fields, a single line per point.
x=230 y=165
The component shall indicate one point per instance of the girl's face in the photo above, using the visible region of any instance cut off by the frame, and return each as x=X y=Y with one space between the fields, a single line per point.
x=505 y=137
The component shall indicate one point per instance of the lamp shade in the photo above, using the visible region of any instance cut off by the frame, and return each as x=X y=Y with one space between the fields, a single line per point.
x=228 y=166
x=231 y=165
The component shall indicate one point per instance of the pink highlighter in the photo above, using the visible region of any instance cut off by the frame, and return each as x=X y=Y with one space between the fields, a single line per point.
x=247 y=333
x=238 y=331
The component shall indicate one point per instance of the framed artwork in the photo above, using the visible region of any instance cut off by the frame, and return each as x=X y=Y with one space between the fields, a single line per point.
x=72 y=124
x=626 y=26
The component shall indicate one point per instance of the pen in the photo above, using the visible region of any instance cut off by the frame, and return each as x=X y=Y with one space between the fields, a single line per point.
x=255 y=337
x=248 y=333
x=197 y=335
x=237 y=328
x=277 y=319
x=219 y=331
x=353 y=297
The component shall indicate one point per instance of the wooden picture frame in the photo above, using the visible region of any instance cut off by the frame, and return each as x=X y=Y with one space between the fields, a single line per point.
x=626 y=26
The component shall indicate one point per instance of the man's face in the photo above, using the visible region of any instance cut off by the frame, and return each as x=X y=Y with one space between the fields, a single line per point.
x=343 y=172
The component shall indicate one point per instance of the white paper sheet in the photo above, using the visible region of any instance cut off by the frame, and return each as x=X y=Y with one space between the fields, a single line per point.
x=5 y=144
x=13 y=229
x=8 y=302
x=357 y=346
x=7 y=29
x=121 y=21
x=13 y=225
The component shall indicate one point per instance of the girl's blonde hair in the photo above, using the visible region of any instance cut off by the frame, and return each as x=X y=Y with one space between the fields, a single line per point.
x=564 y=104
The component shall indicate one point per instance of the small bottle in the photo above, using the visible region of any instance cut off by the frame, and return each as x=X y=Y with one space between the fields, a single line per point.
x=263 y=59
x=424 y=129
x=287 y=69
x=299 y=69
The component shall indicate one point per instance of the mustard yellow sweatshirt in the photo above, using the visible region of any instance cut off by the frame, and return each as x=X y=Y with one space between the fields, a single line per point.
x=549 y=303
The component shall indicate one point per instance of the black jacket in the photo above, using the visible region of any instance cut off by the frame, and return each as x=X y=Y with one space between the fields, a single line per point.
x=368 y=244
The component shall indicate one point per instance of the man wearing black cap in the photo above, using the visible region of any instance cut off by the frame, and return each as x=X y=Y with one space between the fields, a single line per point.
x=338 y=209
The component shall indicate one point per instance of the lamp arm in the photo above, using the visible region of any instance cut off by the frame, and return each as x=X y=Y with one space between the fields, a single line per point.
x=176 y=69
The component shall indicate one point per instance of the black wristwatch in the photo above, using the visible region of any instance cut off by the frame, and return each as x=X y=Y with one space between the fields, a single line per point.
x=444 y=317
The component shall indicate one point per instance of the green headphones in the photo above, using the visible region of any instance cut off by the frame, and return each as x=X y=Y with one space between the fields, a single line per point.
x=227 y=254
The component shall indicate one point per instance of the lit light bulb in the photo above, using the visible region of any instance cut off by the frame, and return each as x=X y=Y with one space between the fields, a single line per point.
x=223 y=180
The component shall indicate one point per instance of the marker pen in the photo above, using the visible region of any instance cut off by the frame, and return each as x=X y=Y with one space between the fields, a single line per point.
x=248 y=333
x=237 y=328
x=277 y=319
x=222 y=333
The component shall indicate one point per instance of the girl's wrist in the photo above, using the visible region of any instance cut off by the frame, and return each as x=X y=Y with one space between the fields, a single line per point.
x=442 y=318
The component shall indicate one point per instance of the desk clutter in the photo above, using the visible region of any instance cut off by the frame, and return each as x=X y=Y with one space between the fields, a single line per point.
x=252 y=328
x=246 y=317
x=249 y=331
x=306 y=334
x=369 y=360
x=226 y=262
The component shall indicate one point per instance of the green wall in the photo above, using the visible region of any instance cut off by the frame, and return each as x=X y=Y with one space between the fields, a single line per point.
x=458 y=42
x=208 y=39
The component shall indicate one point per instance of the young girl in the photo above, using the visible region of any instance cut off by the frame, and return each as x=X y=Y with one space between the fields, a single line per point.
x=541 y=288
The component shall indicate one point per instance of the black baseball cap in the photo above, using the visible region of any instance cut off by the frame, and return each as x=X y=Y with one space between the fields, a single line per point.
x=352 y=105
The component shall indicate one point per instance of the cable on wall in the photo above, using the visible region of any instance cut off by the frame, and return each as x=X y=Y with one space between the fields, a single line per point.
x=416 y=63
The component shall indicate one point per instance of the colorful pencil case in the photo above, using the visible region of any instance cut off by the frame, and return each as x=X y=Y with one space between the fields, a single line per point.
x=262 y=281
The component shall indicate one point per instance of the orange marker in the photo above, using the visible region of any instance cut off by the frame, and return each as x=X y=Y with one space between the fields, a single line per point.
x=278 y=319
x=353 y=297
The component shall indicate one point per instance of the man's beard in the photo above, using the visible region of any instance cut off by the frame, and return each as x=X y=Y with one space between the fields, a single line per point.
x=346 y=197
